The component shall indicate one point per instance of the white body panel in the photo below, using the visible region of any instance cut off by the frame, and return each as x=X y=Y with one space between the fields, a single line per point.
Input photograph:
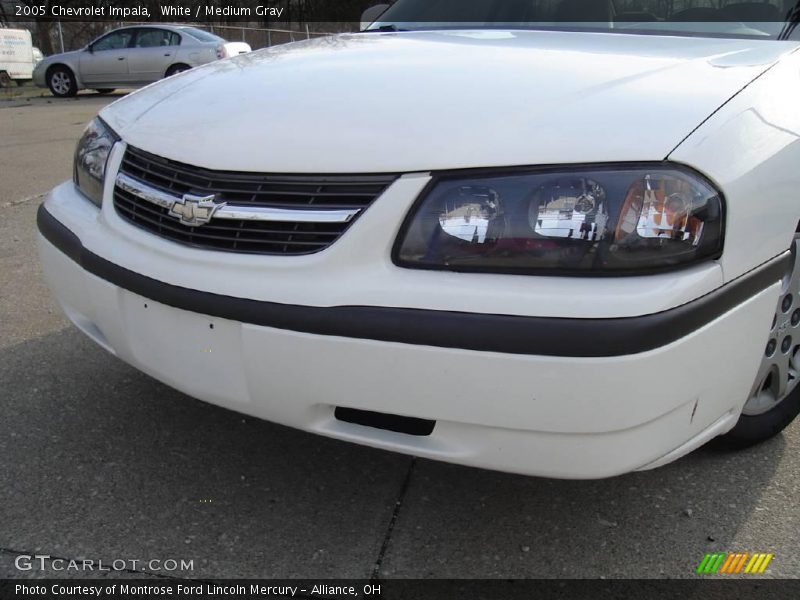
x=751 y=147
x=236 y=48
x=723 y=107
x=422 y=101
x=16 y=53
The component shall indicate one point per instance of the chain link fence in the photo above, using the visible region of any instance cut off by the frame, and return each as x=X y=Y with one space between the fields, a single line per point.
x=61 y=36
x=260 y=37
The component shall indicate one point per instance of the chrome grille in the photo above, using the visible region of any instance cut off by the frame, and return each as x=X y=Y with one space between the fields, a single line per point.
x=285 y=214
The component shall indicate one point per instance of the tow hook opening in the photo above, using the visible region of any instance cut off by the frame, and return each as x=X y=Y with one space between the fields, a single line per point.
x=396 y=423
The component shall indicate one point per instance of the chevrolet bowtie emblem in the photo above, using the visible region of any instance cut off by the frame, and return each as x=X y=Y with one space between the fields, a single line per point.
x=195 y=210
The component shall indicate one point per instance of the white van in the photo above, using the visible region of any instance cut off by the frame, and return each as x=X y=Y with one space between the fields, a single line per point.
x=16 y=56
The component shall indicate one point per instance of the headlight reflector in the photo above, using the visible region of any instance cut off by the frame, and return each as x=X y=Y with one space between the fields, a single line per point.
x=91 y=156
x=590 y=221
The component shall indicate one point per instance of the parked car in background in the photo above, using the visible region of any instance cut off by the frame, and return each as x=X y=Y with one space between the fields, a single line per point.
x=16 y=56
x=132 y=57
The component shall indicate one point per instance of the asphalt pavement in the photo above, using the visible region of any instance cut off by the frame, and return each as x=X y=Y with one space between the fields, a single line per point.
x=101 y=462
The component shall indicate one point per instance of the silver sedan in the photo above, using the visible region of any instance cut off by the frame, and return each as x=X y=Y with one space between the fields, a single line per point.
x=132 y=57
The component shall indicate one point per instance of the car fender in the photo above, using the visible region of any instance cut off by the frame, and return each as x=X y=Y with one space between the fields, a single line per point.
x=71 y=60
x=750 y=147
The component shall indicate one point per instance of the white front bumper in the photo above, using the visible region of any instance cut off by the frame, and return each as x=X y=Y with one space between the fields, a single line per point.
x=552 y=416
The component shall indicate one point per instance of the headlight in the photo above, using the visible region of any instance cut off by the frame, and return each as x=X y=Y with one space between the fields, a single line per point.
x=91 y=157
x=590 y=221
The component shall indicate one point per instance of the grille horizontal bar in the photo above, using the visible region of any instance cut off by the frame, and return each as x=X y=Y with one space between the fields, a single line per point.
x=250 y=213
x=238 y=212
x=351 y=191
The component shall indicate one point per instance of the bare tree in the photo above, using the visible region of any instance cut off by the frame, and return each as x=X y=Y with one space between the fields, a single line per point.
x=41 y=30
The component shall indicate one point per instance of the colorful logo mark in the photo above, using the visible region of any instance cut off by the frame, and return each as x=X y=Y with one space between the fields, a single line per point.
x=734 y=562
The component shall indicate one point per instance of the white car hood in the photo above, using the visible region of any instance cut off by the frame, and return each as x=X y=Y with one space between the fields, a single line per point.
x=417 y=101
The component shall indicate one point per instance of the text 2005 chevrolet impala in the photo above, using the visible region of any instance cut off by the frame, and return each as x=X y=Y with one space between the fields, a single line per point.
x=561 y=250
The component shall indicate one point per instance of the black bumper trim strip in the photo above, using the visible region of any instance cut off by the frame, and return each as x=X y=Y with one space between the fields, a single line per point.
x=510 y=334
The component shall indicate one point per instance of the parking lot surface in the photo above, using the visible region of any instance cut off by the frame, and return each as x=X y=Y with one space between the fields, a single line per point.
x=101 y=462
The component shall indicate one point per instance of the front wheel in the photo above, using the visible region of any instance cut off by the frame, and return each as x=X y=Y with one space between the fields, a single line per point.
x=5 y=80
x=175 y=69
x=62 y=82
x=774 y=401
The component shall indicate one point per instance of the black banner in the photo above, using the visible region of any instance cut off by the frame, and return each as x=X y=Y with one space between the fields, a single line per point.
x=398 y=589
x=500 y=12
x=184 y=11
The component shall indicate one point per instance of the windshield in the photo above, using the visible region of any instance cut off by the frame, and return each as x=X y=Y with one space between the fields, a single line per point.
x=726 y=18
x=201 y=35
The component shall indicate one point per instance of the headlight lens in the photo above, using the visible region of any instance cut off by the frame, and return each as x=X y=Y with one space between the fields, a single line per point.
x=594 y=221
x=91 y=157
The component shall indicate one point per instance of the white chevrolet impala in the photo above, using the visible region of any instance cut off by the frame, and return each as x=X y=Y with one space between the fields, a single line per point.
x=560 y=249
